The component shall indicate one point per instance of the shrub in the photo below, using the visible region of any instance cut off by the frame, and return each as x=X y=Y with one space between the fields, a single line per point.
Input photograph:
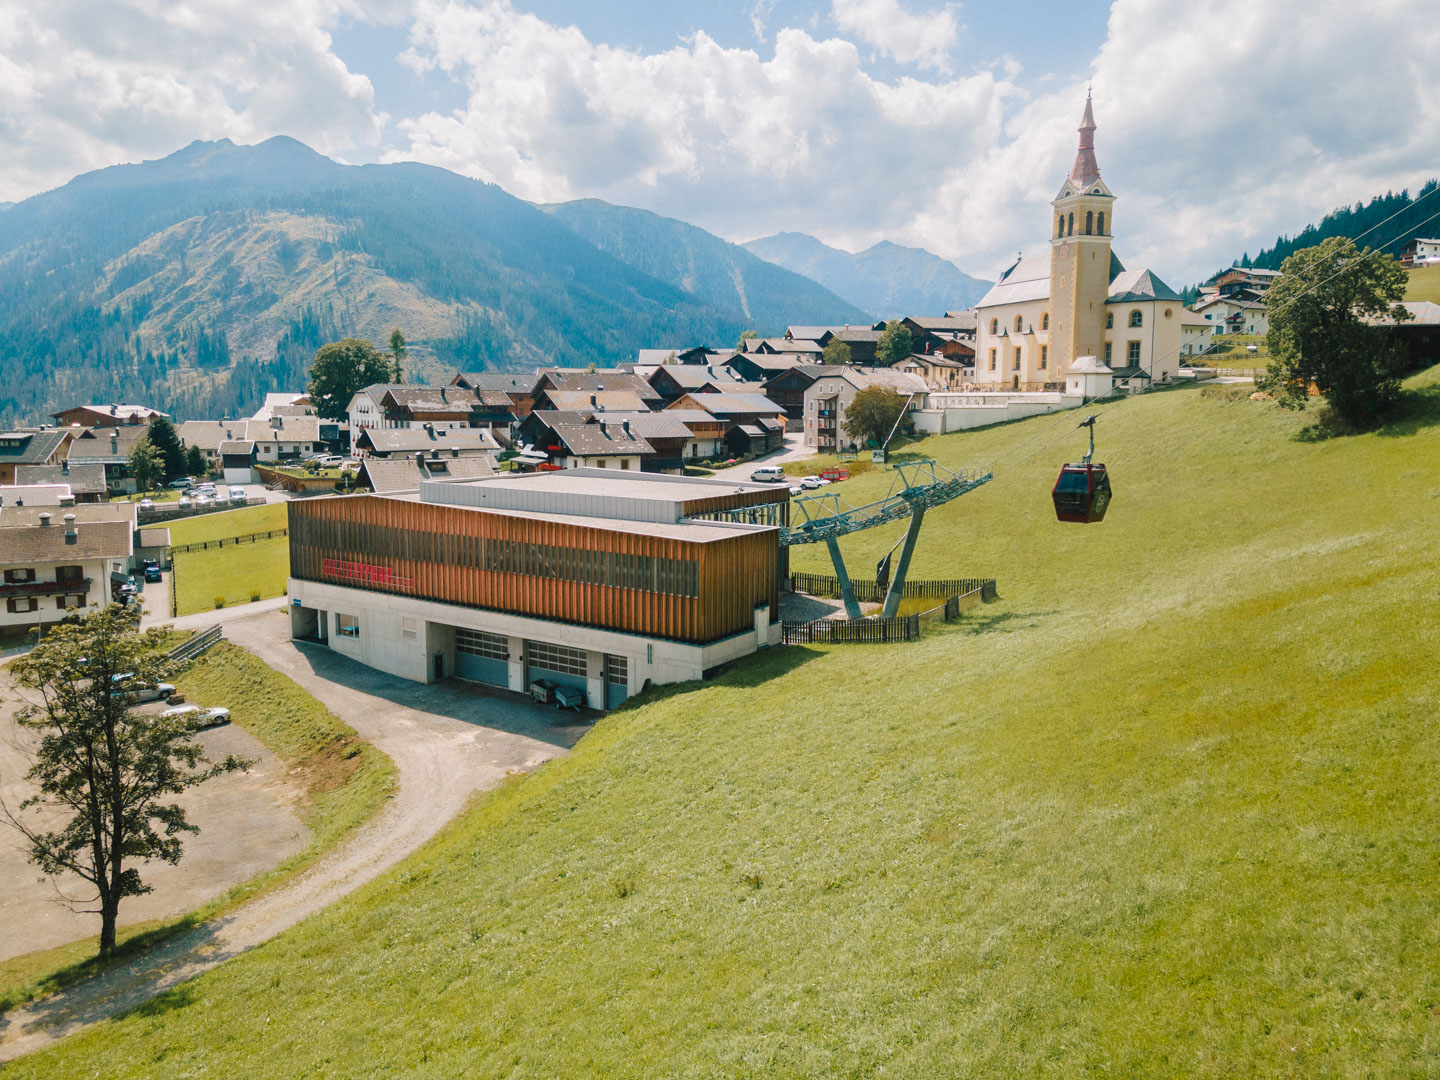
x=254 y=595
x=219 y=602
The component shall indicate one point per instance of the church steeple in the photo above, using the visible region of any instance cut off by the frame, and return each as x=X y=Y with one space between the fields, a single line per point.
x=1086 y=171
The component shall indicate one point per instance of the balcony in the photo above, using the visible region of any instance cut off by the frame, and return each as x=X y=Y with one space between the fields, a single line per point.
x=11 y=589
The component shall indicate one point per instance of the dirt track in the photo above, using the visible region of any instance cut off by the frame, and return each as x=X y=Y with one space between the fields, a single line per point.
x=447 y=741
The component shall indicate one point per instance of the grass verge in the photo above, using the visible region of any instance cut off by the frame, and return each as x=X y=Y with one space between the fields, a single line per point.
x=344 y=780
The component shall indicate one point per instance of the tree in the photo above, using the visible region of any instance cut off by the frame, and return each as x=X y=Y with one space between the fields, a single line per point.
x=397 y=351
x=340 y=370
x=895 y=343
x=146 y=465
x=102 y=772
x=195 y=464
x=1317 y=334
x=745 y=335
x=872 y=415
x=837 y=352
x=166 y=439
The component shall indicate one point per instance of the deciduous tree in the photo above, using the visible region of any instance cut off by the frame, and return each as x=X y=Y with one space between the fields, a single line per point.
x=872 y=415
x=836 y=352
x=342 y=368
x=103 y=773
x=146 y=465
x=895 y=343
x=1318 y=335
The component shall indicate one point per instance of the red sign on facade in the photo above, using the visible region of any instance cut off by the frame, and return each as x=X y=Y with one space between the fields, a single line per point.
x=359 y=573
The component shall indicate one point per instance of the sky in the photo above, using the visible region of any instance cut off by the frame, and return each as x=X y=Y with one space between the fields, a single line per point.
x=947 y=126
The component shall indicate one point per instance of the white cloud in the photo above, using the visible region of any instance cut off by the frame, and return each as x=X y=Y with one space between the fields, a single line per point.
x=925 y=40
x=85 y=85
x=740 y=144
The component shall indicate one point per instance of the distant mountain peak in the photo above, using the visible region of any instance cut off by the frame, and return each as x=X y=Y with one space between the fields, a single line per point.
x=886 y=279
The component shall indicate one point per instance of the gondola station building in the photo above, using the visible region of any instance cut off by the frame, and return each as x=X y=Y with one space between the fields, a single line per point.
x=600 y=580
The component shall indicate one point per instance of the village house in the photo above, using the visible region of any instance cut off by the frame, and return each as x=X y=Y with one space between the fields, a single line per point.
x=787 y=389
x=675 y=381
x=109 y=447
x=405 y=472
x=85 y=482
x=58 y=565
x=106 y=415
x=1231 y=315
x=941 y=374
x=20 y=448
x=833 y=392
x=518 y=387
x=427 y=440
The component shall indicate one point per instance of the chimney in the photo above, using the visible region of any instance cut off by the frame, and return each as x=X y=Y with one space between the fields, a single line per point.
x=603 y=430
x=71 y=536
x=114 y=444
x=420 y=458
x=592 y=399
x=65 y=468
x=625 y=426
x=45 y=518
x=430 y=430
x=67 y=500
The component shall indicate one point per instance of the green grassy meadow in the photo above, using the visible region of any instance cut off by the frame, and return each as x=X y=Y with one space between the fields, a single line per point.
x=343 y=781
x=232 y=572
x=1167 y=808
x=1424 y=284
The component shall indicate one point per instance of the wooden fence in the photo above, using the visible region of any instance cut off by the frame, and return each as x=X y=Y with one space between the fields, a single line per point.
x=870 y=591
x=876 y=630
x=226 y=541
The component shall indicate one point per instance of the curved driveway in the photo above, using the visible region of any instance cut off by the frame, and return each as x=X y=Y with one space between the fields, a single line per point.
x=447 y=741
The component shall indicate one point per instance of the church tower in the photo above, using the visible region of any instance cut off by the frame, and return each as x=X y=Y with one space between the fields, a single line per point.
x=1080 y=232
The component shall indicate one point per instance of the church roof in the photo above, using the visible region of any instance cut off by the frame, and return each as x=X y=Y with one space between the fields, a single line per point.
x=1026 y=279
x=1138 y=285
x=1086 y=170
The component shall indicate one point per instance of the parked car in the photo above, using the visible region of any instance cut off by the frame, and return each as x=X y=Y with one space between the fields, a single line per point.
x=198 y=718
x=181 y=483
x=147 y=504
x=768 y=474
x=330 y=461
x=135 y=691
x=152 y=572
x=184 y=500
x=810 y=483
x=237 y=494
x=796 y=489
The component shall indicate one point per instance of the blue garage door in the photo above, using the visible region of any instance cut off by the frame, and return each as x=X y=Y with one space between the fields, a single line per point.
x=482 y=657
x=555 y=663
x=617 y=680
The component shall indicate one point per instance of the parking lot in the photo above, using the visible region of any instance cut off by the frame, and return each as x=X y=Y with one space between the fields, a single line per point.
x=247 y=825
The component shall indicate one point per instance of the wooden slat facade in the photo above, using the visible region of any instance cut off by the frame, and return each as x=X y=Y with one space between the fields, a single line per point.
x=696 y=592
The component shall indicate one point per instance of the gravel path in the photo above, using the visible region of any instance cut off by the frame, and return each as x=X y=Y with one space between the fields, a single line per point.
x=447 y=741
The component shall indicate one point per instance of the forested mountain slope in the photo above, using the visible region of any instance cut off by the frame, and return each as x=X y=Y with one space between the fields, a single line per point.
x=200 y=281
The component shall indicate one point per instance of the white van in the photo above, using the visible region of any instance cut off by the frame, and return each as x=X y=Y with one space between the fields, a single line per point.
x=768 y=474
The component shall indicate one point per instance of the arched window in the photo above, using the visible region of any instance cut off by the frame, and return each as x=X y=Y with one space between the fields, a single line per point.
x=1044 y=320
x=1109 y=320
x=1060 y=225
x=1019 y=323
x=1137 y=318
x=994 y=326
x=1071 y=229
x=1089 y=222
x=1101 y=222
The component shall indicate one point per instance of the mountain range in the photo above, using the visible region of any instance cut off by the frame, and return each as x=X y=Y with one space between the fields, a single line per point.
x=887 y=280
x=200 y=281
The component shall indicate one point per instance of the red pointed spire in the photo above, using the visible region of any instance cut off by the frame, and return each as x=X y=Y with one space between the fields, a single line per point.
x=1086 y=170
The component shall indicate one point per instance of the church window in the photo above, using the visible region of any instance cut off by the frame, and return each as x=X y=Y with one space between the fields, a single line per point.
x=1101 y=221
x=992 y=359
x=1071 y=228
x=1044 y=320
x=1089 y=222
x=1060 y=225
x=1108 y=351
x=1017 y=357
x=1019 y=323
x=1109 y=320
x=1132 y=356
x=1137 y=318
x=994 y=326
x=1044 y=357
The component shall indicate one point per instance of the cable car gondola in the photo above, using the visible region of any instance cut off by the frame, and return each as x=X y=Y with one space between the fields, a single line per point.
x=1082 y=491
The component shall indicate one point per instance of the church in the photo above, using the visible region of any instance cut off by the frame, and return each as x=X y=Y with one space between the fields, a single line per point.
x=1044 y=314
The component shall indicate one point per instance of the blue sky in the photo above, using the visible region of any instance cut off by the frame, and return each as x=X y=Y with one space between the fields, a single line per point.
x=942 y=125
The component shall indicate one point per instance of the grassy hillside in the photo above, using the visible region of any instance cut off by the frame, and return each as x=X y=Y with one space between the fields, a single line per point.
x=1424 y=284
x=1167 y=808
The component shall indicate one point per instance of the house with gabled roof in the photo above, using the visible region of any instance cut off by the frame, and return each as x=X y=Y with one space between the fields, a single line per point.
x=832 y=392
x=115 y=415
x=18 y=448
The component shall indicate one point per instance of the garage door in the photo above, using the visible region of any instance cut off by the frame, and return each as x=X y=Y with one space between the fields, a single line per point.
x=482 y=657
x=617 y=680
x=556 y=663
